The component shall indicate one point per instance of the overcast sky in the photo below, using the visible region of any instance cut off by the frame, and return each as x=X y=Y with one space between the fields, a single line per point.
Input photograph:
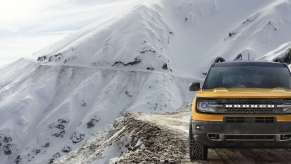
x=29 y=25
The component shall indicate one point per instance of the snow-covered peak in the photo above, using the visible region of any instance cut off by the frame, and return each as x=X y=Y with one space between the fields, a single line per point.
x=136 y=38
x=170 y=35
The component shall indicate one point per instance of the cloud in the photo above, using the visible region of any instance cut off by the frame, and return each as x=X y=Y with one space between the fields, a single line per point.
x=30 y=25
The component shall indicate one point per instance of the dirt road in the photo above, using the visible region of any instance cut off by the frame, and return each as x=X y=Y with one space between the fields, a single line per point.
x=178 y=123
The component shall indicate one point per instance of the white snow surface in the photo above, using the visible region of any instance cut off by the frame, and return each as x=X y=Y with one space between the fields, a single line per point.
x=277 y=53
x=140 y=57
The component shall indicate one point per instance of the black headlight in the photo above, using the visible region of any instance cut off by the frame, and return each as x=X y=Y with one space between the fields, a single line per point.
x=209 y=106
x=286 y=108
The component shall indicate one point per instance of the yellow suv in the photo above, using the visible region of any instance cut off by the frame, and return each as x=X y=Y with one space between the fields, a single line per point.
x=241 y=104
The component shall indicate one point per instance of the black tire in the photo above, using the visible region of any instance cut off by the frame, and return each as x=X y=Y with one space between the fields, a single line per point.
x=198 y=151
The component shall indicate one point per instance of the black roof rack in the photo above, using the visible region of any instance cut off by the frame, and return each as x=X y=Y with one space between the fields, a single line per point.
x=219 y=59
x=250 y=63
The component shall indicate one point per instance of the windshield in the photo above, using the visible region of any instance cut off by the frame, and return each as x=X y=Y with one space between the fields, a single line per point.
x=248 y=77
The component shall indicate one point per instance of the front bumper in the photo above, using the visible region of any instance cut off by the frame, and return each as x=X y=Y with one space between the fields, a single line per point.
x=256 y=135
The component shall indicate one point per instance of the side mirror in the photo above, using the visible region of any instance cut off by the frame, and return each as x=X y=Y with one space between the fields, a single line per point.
x=194 y=86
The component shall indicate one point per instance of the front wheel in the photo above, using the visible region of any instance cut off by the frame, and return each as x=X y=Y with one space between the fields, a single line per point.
x=198 y=151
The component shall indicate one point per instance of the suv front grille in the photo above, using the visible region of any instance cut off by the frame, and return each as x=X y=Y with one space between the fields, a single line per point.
x=253 y=111
x=264 y=119
x=249 y=119
x=252 y=106
x=230 y=137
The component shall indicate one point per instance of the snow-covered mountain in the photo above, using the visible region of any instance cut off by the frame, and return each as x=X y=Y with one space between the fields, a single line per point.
x=141 y=58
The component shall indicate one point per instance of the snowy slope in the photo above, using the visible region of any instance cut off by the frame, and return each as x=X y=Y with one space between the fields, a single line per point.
x=50 y=108
x=177 y=33
x=260 y=32
x=279 y=53
x=141 y=58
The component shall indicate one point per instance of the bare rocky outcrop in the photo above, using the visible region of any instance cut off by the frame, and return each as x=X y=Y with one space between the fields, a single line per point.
x=138 y=141
x=157 y=144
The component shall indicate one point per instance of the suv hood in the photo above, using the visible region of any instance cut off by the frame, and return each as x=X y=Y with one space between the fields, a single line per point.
x=244 y=93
